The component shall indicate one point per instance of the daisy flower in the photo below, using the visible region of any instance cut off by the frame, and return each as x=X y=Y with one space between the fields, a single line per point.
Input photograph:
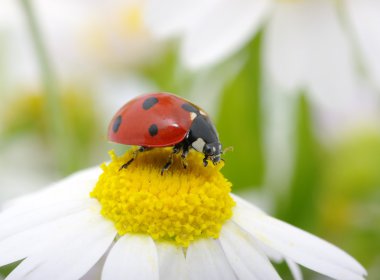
x=136 y=224
x=117 y=36
x=305 y=44
x=83 y=38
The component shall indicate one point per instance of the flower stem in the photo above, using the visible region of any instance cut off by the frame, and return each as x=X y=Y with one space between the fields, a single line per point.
x=53 y=110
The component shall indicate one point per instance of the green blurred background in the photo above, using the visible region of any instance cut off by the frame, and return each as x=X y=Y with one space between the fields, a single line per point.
x=66 y=67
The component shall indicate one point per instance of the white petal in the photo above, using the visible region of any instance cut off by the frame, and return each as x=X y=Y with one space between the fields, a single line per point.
x=171 y=260
x=75 y=186
x=223 y=30
x=294 y=269
x=332 y=77
x=11 y=224
x=298 y=245
x=95 y=272
x=272 y=254
x=206 y=261
x=132 y=257
x=364 y=16
x=244 y=255
x=169 y=17
x=241 y=202
x=285 y=46
x=68 y=196
x=306 y=48
x=71 y=253
x=37 y=239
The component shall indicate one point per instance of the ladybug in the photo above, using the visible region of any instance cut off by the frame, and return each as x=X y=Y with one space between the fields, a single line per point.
x=159 y=120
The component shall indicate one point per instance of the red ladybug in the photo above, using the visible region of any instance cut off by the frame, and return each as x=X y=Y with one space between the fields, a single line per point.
x=158 y=120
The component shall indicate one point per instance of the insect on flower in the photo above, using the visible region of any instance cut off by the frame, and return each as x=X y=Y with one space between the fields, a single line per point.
x=159 y=120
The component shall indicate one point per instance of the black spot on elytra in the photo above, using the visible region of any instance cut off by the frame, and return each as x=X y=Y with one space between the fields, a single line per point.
x=116 y=124
x=149 y=103
x=190 y=108
x=153 y=130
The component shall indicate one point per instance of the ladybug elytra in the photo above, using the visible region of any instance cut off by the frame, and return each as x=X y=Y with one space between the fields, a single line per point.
x=159 y=120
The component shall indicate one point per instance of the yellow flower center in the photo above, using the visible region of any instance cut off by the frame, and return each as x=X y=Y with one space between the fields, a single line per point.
x=180 y=206
x=132 y=19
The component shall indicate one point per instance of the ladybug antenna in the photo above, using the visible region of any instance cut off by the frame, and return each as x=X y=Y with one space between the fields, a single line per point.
x=228 y=149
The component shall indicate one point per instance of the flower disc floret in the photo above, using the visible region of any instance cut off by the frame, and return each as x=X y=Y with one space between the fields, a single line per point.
x=180 y=206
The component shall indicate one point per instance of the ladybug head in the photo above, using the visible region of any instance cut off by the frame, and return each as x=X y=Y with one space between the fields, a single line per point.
x=213 y=150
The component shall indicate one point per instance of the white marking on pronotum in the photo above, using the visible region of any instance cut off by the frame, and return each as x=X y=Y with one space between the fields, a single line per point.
x=198 y=144
x=193 y=116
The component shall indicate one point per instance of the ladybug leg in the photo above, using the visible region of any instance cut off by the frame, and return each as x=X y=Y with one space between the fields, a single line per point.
x=185 y=152
x=135 y=153
x=205 y=162
x=167 y=165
